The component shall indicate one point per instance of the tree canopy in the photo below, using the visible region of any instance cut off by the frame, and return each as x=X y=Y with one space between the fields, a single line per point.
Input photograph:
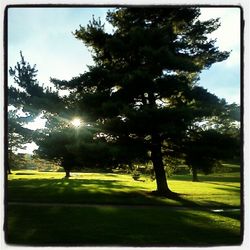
x=140 y=101
x=143 y=87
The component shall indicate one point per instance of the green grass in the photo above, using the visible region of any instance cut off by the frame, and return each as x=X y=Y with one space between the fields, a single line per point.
x=157 y=222
x=119 y=226
x=32 y=186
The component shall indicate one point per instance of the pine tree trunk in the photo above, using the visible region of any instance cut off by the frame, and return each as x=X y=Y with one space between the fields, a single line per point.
x=9 y=162
x=195 y=175
x=8 y=169
x=156 y=157
x=67 y=172
x=160 y=175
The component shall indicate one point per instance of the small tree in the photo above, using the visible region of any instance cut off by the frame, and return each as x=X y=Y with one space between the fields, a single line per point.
x=217 y=139
x=18 y=136
x=205 y=151
x=71 y=146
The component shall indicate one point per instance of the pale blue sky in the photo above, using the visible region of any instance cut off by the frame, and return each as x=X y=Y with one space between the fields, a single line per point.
x=223 y=79
x=45 y=37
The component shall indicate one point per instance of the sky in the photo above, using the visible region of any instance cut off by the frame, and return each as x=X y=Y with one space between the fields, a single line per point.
x=44 y=35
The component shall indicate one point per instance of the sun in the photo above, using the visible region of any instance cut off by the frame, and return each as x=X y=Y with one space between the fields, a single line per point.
x=76 y=122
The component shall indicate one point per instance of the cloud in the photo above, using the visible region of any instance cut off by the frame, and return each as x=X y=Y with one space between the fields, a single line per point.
x=228 y=34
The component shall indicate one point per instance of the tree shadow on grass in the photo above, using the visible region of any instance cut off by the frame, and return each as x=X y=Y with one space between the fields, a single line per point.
x=94 y=191
x=232 y=214
x=232 y=190
x=220 y=178
x=87 y=191
x=206 y=178
x=24 y=173
x=67 y=183
x=223 y=184
x=102 y=226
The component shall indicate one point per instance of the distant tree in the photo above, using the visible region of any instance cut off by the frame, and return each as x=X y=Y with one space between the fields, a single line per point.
x=83 y=146
x=71 y=147
x=207 y=149
x=18 y=161
x=142 y=86
x=54 y=148
x=216 y=140
x=18 y=136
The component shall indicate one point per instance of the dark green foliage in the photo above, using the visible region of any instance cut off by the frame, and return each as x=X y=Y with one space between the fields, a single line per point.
x=17 y=134
x=141 y=93
x=16 y=161
x=27 y=95
x=30 y=99
x=26 y=100
x=139 y=101
x=25 y=85
x=205 y=149
x=85 y=147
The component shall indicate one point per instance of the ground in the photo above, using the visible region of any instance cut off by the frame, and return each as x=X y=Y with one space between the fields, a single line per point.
x=113 y=209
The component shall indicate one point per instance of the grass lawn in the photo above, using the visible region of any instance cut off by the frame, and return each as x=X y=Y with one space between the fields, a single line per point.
x=158 y=221
x=99 y=188
x=120 y=226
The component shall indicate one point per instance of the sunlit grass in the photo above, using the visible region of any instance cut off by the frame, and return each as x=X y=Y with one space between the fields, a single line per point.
x=36 y=215
x=33 y=186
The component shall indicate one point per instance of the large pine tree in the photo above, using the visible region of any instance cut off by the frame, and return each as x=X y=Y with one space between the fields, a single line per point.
x=143 y=84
